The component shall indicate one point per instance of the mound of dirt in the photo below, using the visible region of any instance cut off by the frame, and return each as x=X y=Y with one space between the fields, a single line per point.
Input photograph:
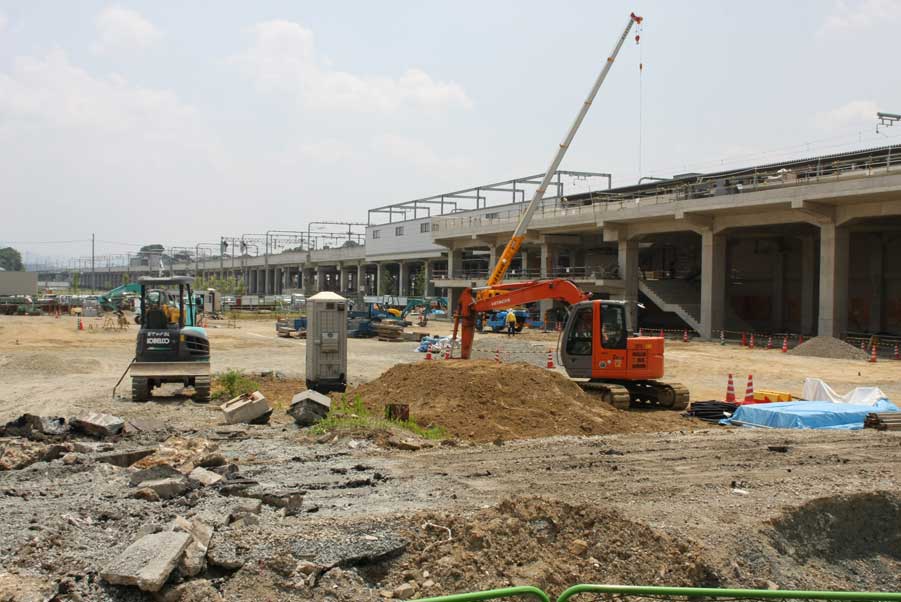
x=484 y=401
x=830 y=348
x=546 y=543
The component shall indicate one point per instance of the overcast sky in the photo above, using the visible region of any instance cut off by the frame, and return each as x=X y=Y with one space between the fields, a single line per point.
x=179 y=122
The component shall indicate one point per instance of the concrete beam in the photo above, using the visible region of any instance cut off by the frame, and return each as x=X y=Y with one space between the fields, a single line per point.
x=816 y=212
x=697 y=220
x=846 y=213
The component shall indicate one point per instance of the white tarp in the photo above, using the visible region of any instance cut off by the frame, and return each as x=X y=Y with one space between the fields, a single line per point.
x=817 y=390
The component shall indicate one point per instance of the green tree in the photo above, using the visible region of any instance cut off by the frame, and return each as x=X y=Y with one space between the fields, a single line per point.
x=11 y=260
x=387 y=282
x=125 y=278
x=419 y=284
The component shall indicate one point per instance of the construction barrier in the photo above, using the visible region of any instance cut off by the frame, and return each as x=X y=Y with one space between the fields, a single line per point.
x=686 y=594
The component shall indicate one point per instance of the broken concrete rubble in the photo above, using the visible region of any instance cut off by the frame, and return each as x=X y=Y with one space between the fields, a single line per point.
x=124 y=458
x=21 y=453
x=148 y=562
x=245 y=408
x=309 y=407
x=290 y=499
x=204 y=477
x=223 y=553
x=183 y=454
x=36 y=427
x=167 y=488
x=192 y=563
x=97 y=424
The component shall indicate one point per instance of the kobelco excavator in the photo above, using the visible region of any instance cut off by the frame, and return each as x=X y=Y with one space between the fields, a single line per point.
x=595 y=347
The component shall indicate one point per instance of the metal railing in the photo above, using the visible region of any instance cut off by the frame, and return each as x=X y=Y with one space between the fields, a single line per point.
x=587 y=272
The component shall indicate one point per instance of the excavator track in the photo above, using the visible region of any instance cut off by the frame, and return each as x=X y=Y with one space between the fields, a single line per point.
x=639 y=394
x=611 y=393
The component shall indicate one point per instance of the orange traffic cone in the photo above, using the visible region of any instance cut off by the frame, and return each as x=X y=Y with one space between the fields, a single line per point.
x=661 y=333
x=744 y=340
x=749 y=390
x=800 y=339
x=447 y=353
x=769 y=342
x=80 y=324
x=785 y=344
x=897 y=355
x=550 y=359
x=751 y=346
x=685 y=336
x=873 y=353
x=863 y=346
x=428 y=354
x=730 y=391
x=497 y=355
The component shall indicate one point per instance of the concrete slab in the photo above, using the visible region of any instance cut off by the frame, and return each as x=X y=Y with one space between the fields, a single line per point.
x=309 y=407
x=148 y=562
x=245 y=408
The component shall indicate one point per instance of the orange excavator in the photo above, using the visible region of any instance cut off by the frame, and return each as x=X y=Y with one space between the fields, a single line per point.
x=595 y=346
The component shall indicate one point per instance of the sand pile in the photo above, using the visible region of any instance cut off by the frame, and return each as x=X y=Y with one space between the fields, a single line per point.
x=829 y=347
x=481 y=400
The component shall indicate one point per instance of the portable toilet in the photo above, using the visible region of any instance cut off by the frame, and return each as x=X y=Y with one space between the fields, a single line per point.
x=326 y=342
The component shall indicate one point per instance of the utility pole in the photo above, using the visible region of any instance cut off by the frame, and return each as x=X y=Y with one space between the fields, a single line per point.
x=93 y=275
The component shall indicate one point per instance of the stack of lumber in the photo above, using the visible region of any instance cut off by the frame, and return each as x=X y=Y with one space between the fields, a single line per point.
x=386 y=331
x=886 y=421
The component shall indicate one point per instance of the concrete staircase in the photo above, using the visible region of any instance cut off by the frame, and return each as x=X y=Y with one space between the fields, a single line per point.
x=680 y=297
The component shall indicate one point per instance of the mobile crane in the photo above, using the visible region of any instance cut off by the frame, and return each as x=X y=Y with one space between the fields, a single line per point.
x=595 y=345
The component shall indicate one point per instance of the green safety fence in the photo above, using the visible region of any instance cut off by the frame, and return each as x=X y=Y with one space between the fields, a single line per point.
x=612 y=592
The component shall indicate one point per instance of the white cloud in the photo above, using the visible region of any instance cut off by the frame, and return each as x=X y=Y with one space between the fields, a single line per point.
x=862 y=112
x=414 y=152
x=3 y=21
x=124 y=29
x=51 y=91
x=856 y=15
x=282 y=59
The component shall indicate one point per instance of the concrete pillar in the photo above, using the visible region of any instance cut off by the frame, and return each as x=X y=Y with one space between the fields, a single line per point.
x=402 y=278
x=778 y=292
x=545 y=260
x=343 y=274
x=628 y=272
x=427 y=268
x=378 y=279
x=361 y=279
x=492 y=257
x=320 y=279
x=713 y=282
x=833 y=314
x=523 y=263
x=808 y=283
x=454 y=262
x=875 y=263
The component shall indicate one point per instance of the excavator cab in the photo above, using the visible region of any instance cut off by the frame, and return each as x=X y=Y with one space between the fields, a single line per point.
x=596 y=345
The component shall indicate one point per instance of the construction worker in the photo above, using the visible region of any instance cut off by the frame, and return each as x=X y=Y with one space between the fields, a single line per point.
x=511 y=323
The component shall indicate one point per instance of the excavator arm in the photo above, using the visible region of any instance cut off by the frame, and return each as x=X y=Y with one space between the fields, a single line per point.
x=505 y=296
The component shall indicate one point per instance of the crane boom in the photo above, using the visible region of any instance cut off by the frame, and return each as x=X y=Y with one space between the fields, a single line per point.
x=515 y=243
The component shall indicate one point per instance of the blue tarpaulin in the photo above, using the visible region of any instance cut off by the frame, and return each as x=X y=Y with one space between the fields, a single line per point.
x=807 y=414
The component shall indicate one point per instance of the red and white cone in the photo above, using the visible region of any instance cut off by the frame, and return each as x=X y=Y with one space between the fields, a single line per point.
x=863 y=346
x=769 y=342
x=641 y=332
x=744 y=340
x=873 y=353
x=730 y=391
x=751 y=346
x=447 y=353
x=685 y=336
x=785 y=344
x=497 y=355
x=800 y=339
x=749 y=390
x=550 y=359
x=897 y=354
x=428 y=354
x=80 y=324
x=661 y=334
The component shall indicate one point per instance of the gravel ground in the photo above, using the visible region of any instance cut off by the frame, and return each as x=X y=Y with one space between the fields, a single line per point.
x=829 y=347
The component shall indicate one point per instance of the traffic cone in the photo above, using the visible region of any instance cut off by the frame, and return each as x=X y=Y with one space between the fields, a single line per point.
x=447 y=353
x=730 y=391
x=661 y=334
x=873 y=353
x=897 y=355
x=80 y=324
x=744 y=340
x=722 y=337
x=751 y=346
x=428 y=354
x=641 y=332
x=769 y=342
x=863 y=346
x=497 y=355
x=550 y=359
x=685 y=336
x=749 y=390
x=800 y=339
x=785 y=344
